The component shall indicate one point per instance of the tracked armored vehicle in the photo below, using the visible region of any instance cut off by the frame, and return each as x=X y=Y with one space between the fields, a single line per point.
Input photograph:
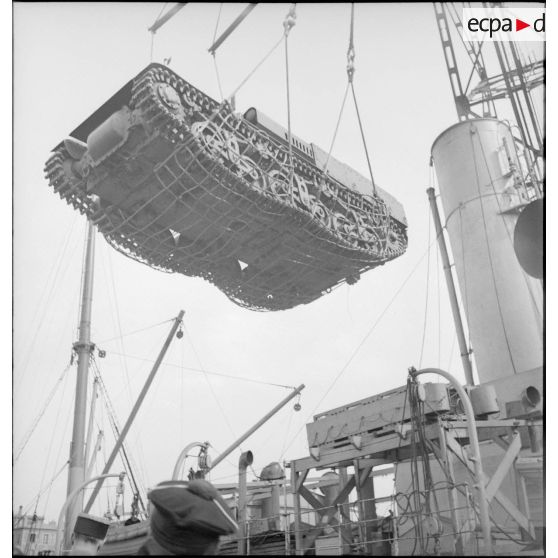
x=180 y=182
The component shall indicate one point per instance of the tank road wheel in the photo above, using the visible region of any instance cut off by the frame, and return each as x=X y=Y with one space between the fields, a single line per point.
x=211 y=140
x=279 y=185
x=395 y=243
x=231 y=146
x=369 y=236
x=244 y=166
x=169 y=97
x=301 y=196
x=345 y=228
x=320 y=213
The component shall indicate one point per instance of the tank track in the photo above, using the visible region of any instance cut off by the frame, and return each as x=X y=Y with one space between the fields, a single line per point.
x=329 y=227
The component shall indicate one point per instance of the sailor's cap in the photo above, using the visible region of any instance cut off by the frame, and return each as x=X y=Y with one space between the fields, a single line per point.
x=188 y=510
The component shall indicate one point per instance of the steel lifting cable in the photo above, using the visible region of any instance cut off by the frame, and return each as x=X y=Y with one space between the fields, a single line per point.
x=324 y=170
x=214 y=53
x=256 y=67
x=350 y=74
x=351 y=55
x=153 y=32
x=288 y=24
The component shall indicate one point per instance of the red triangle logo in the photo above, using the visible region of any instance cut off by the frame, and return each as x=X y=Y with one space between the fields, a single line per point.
x=519 y=25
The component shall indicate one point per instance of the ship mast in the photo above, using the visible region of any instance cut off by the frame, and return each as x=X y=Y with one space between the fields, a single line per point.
x=83 y=348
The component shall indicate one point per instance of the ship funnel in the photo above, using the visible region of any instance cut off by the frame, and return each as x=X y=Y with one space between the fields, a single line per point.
x=528 y=239
x=503 y=304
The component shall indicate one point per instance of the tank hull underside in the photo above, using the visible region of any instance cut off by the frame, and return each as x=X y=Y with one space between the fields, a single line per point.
x=178 y=182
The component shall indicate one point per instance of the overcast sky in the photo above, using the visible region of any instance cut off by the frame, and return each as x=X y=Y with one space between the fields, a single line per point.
x=68 y=59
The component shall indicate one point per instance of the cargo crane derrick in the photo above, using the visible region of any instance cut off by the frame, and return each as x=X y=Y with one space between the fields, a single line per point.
x=494 y=79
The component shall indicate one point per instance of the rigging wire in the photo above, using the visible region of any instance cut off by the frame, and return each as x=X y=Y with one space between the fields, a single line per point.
x=124 y=454
x=153 y=32
x=214 y=53
x=116 y=316
x=205 y=371
x=209 y=383
x=273 y=48
x=287 y=25
x=362 y=342
x=62 y=439
x=50 y=284
x=438 y=296
x=41 y=413
x=448 y=367
x=432 y=182
x=181 y=432
x=122 y=335
x=50 y=446
x=120 y=340
x=287 y=430
x=426 y=297
x=61 y=446
x=42 y=491
x=465 y=285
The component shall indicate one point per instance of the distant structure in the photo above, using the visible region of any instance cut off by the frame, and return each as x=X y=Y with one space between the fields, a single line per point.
x=32 y=536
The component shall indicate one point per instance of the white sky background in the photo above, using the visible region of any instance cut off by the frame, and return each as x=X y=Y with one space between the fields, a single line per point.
x=68 y=59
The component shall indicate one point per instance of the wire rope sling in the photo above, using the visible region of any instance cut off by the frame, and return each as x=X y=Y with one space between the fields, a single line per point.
x=182 y=183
